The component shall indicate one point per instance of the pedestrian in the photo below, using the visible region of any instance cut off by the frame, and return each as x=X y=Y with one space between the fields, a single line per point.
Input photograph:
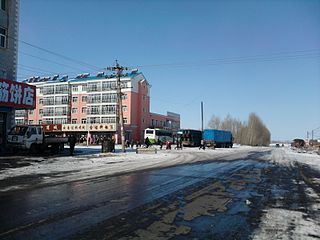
x=72 y=142
x=202 y=145
x=147 y=142
x=132 y=144
x=180 y=143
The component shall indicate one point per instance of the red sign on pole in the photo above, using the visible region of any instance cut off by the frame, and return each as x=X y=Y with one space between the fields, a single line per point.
x=16 y=94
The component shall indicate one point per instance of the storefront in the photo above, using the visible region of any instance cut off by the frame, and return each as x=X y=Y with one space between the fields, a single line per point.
x=13 y=95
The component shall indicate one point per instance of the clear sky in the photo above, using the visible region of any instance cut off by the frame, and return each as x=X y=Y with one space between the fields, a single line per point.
x=237 y=56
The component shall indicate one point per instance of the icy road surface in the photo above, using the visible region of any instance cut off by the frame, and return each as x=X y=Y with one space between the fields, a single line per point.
x=240 y=193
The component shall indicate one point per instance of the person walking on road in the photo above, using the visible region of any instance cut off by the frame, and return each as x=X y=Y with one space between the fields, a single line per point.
x=72 y=143
x=147 y=142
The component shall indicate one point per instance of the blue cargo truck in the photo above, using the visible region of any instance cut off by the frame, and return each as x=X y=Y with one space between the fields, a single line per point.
x=217 y=138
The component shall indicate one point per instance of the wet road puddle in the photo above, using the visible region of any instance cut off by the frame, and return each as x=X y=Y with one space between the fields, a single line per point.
x=215 y=205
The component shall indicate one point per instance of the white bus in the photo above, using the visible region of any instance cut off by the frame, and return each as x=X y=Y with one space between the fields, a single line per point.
x=156 y=134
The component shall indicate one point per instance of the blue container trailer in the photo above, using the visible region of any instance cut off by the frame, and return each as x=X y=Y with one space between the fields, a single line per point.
x=217 y=138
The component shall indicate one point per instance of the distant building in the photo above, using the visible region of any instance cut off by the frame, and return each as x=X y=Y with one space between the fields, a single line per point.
x=87 y=105
x=9 y=10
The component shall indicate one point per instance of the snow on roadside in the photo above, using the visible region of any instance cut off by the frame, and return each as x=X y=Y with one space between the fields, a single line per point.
x=286 y=224
x=287 y=156
x=91 y=163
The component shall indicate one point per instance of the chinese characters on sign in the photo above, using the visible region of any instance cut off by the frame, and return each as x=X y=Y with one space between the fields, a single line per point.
x=16 y=94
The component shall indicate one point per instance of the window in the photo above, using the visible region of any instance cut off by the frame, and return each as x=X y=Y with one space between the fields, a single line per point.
x=124 y=96
x=84 y=98
x=94 y=120
x=40 y=112
x=61 y=111
x=48 y=101
x=3 y=5
x=125 y=120
x=40 y=101
x=62 y=89
x=3 y=38
x=19 y=121
x=48 y=112
x=83 y=120
x=40 y=122
x=31 y=112
x=108 y=109
x=48 y=90
x=93 y=110
x=60 y=100
x=74 y=110
x=60 y=120
x=124 y=108
x=75 y=88
x=94 y=87
x=84 y=110
x=74 y=99
x=48 y=121
x=30 y=122
x=94 y=98
x=74 y=121
x=108 y=120
x=109 y=97
x=84 y=87
x=109 y=85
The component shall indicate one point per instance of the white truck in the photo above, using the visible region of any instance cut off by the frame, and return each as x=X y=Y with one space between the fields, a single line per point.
x=33 y=138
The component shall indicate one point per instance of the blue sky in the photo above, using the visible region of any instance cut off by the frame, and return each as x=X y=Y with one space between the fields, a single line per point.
x=191 y=51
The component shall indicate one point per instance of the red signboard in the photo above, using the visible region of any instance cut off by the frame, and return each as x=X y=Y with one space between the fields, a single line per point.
x=52 y=127
x=16 y=94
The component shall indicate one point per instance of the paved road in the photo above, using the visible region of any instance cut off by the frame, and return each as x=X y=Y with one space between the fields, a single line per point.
x=220 y=200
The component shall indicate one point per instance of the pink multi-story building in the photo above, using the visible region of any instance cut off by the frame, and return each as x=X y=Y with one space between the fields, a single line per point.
x=88 y=104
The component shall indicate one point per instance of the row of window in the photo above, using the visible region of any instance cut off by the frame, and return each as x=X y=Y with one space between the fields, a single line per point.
x=95 y=98
x=63 y=111
x=90 y=120
x=64 y=88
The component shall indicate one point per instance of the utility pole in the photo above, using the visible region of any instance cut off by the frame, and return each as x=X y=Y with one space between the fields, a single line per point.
x=201 y=116
x=119 y=69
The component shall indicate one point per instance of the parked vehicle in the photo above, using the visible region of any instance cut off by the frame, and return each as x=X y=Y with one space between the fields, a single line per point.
x=190 y=137
x=157 y=135
x=33 y=138
x=298 y=143
x=217 y=138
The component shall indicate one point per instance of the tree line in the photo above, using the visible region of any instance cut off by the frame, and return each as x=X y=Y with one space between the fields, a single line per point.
x=252 y=133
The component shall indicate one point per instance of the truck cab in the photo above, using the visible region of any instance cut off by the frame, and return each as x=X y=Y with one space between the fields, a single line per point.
x=25 y=136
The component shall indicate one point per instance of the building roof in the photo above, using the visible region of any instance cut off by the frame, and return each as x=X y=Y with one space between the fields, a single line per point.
x=79 y=78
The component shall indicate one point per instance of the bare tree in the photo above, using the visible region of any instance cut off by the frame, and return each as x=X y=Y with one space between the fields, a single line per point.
x=253 y=133
x=215 y=122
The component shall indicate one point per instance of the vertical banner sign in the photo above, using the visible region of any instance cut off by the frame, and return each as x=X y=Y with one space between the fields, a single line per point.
x=16 y=94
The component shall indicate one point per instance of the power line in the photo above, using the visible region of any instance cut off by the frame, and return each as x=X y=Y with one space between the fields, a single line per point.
x=58 y=54
x=245 y=59
x=30 y=68
x=48 y=60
